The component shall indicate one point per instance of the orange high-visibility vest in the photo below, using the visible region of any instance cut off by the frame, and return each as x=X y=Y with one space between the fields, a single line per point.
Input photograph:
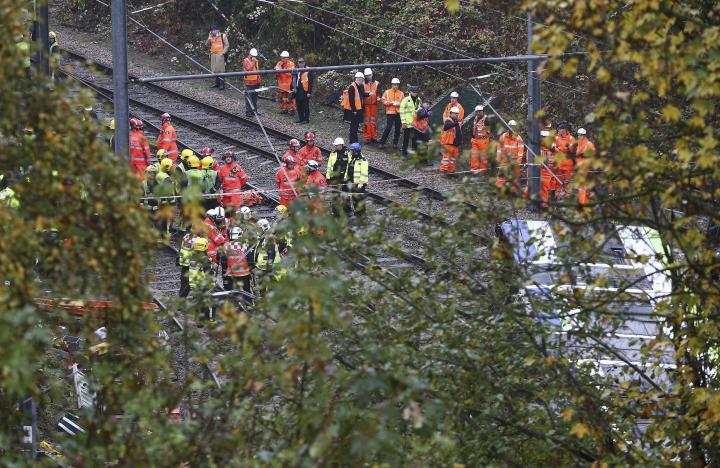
x=450 y=105
x=216 y=44
x=585 y=147
x=346 y=98
x=284 y=79
x=251 y=64
x=510 y=146
x=564 y=144
x=390 y=96
x=479 y=132
x=372 y=89
x=305 y=81
x=447 y=137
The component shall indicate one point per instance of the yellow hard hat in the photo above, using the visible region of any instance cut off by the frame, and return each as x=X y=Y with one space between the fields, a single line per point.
x=52 y=35
x=186 y=153
x=194 y=161
x=166 y=164
x=282 y=209
x=200 y=244
x=111 y=125
x=207 y=162
x=160 y=154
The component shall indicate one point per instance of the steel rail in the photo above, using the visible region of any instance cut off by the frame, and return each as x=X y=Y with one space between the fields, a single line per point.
x=432 y=193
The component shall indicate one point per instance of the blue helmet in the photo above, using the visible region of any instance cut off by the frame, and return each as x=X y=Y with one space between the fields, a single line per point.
x=355 y=147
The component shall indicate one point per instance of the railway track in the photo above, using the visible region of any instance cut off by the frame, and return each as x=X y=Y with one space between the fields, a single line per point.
x=201 y=121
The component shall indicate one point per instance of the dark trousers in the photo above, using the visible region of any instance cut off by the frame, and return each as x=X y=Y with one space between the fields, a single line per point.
x=408 y=136
x=184 y=282
x=303 y=107
x=355 y=122
x=251 y=98
x=219 y=82
x=392 y=120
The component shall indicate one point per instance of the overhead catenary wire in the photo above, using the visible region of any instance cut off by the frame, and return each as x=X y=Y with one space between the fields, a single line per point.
x=428 y=41
x=469 y=60
x=257 y=116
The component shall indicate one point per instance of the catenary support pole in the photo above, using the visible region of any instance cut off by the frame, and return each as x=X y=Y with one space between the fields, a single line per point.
x=43 y=38
x=534 y=105
x=120 y=80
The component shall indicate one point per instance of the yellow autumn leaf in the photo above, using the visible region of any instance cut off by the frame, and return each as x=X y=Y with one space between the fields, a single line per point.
x=671 y=113
x=580 y=430
x=567 y=414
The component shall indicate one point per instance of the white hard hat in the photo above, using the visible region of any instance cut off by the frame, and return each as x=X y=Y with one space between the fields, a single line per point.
x=264 y=224
x=454 y=94
x=245 y=212
x=338 y=141
x=235 y=233
x=395 y=81
x=284 y=54
x=312 y=164
x=220 y=212
x=212 y=212
x=367 y=72
x=359 y=75
x=512 y=123
x=544 y=133
x=253 y=52
x=454 y=110
x=581 y=131
x=479 y=107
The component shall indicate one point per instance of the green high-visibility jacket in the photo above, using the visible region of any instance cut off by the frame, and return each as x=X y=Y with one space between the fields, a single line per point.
x=357 y=171
x=209 y=182
x=408 y=107
x=337 y=165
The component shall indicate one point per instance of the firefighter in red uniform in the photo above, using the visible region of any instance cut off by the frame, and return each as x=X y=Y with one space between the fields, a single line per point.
x=140 y=155
x=238 y=268
x=287 y=179
x=511 y=149
x=232 y=179
x=293 y=152
x=167 y=139
x=564 y=144
x=309 y=151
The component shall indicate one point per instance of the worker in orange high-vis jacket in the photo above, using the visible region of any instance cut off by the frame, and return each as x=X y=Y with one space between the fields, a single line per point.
x=353 y=103
x=510 y=151
x=480 y=142
x=550 y=185
x=451 y=139
x=167 y=139
x=372 y=92
x=454 y=102
x=565 y=153
x=218 y=43
x=252 y=82
x=140 y=155
x=391 y=99
x=302 y=87
x=584 y=149
x=284 y=80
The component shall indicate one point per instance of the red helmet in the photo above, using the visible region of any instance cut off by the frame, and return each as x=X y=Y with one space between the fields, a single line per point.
x=310 y=136
x=136 y=123
x=287 y=159
x=165 y=117
x=228 y=154
x=207 y=151
x=294 y=143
